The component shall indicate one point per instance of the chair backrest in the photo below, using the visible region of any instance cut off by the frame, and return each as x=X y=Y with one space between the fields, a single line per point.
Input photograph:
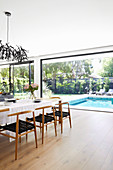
x=46 y=107
x=4 y=110
x=64 y=103
x=20 y=113
x=55 y=97
x=43 y=107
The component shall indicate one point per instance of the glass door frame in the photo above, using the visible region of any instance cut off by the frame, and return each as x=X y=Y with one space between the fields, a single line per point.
x=76 y=55
x=11 y=66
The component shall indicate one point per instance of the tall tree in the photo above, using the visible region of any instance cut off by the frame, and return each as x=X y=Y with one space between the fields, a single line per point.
x=69 y=69
x=107 y=69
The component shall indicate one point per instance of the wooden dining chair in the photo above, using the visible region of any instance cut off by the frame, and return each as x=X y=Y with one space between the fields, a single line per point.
x=55 y=97
x=59 y=100
x=61 y=115
x=44 y=120
x=20 y=128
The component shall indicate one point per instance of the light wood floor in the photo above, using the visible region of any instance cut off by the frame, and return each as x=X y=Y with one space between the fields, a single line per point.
x=87 y=146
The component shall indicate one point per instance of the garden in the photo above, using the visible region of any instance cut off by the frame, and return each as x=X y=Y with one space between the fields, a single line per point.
x=62 y=77
x=78 y=76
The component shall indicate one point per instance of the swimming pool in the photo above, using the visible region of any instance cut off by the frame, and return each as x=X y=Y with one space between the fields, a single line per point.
x=93 y=102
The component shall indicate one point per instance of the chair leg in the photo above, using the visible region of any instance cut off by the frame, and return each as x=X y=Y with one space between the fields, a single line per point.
x=16 y=148
x=35 y=129
x=46 y=126
x=59 y=120
x=56 y=120
x=55 y=128
x=61 y=125
x=35 y=137
x=42 y=133
x=26 y=138
x=70 y=121
x=26 y=134
x=16 y=141
x=40 y=128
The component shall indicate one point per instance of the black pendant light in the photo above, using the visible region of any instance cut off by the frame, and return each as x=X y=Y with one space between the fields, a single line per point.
x=8 y=52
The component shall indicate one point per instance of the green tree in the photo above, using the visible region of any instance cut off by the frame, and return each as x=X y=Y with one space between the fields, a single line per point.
x=70 y=69
x=107 y=67
x=99 y=84
x=4 y=79
x=106 y=84
x=82 y=68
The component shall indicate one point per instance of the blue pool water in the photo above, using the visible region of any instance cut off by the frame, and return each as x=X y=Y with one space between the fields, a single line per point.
x=93 y=102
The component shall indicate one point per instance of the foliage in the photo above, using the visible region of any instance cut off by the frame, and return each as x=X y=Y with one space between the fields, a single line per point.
x=71 y=69
x=106 y=84
x=72 y=77
x=81 y=86
x=99 y=84
x=21 y=77
x=107 y=69
x=4 y=79
x=92 y=84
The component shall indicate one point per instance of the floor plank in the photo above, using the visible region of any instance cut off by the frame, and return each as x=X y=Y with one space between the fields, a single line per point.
x=88 y=145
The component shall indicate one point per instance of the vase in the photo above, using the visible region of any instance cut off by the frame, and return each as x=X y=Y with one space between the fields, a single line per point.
x=32 y=96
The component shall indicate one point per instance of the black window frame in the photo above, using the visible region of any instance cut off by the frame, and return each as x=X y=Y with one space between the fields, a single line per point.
x=68 y=56
x=13 y=64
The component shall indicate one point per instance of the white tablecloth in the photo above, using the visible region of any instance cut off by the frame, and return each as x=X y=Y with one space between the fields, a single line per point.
x=21 y=105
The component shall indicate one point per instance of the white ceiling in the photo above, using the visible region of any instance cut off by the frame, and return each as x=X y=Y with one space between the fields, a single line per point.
x=54 y=26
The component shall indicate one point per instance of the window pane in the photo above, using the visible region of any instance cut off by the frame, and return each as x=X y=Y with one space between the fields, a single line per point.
x=19 y=76
x=4 y=79
x=77 y=75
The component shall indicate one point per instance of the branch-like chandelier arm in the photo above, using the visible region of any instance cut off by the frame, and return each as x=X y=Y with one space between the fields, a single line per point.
x=8 y=52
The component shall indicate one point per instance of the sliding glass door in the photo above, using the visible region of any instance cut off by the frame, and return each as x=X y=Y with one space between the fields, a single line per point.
x=13 y=78
x=79 y=74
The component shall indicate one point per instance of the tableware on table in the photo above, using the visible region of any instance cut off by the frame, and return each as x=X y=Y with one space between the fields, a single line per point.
x=9 y=101
x=37 y=101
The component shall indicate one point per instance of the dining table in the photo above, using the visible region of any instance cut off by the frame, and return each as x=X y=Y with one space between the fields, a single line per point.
x=23 y=105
